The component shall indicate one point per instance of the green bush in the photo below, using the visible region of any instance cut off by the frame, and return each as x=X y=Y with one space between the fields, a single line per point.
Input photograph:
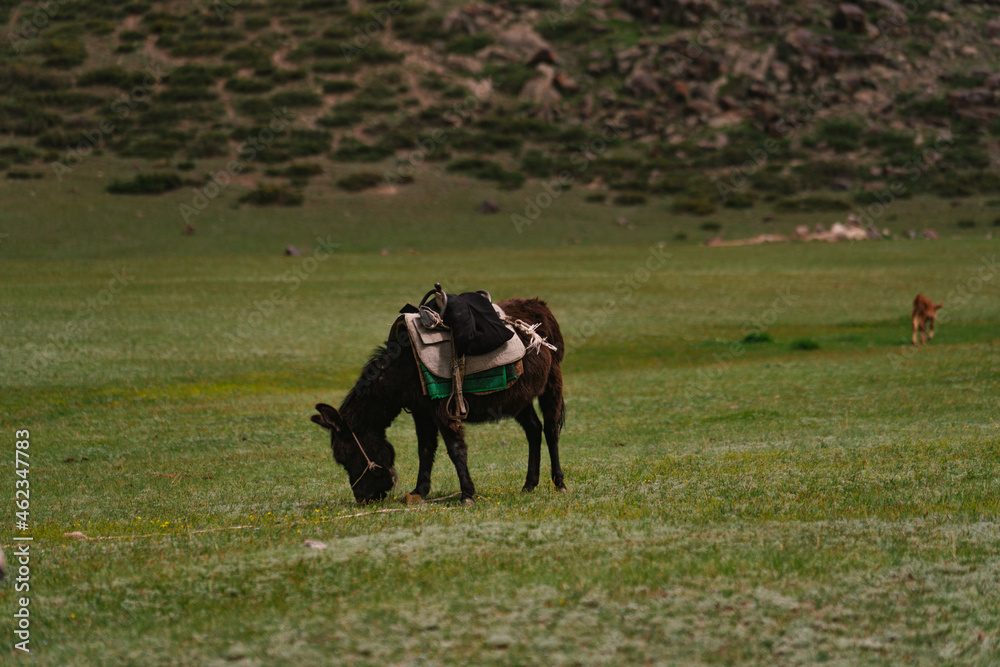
x=296 y=98
x=22 y=175
x=468 y=44
x=488 y=171
x=304 y=170
x=629 y=199
x=146 y=184
x=309 y=142
x=248 y=56
x=207 y=145
x=250 y=86
x=113 y=75
x=710 y=227
x=422 y=29
x=965 y=223
x=805 y=344
x=281 y=76
x=757 y=337
x=739 y=199
x=339 y=86
x=695 y=204
x=810 y=204
x=352 y=150
x=273 y=195
x=15 y=77
x=63 y=52
x=596 y=197
x=340 y=119
x=25 y=119
x=360 y=180
x=175 y=95
x=576 y=30
x=155 y=148
x=14 y=154
x=73 y=100
x=191 y=76
x=842 y=135
x=509 y=78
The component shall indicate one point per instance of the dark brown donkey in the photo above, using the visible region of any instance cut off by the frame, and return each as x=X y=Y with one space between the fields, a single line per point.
x=390 y=384
x=924 y=313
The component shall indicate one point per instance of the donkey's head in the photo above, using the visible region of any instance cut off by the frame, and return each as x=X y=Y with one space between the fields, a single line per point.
x=367 y=457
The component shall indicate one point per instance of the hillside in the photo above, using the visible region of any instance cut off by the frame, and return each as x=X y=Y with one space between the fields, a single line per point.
x=799 y=105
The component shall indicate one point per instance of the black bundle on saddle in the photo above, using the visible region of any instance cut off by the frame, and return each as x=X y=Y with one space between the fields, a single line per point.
x=475 y=326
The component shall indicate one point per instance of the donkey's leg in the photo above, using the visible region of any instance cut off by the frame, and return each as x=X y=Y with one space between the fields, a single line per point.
x=533 y=431
x=458 y=451
x=427 y=443
x=916 y=326
x=554 y=414
x=930 y=324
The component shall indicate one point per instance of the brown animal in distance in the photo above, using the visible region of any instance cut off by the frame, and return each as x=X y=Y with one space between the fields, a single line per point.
x=924 y=312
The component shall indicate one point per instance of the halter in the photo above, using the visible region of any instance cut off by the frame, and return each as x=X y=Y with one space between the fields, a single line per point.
x=371 y=464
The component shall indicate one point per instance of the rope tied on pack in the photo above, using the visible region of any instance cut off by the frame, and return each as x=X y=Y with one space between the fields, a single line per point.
x=537 y=340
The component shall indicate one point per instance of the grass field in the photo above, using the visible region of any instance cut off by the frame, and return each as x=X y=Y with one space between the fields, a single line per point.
x=729 y=502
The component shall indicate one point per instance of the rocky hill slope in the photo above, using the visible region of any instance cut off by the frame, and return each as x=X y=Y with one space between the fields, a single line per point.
x=712 y=103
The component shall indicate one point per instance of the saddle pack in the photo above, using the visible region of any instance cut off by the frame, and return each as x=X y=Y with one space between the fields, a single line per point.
x=462 y=342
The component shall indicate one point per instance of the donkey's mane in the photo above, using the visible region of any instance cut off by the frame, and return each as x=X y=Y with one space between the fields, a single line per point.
x=370 y=400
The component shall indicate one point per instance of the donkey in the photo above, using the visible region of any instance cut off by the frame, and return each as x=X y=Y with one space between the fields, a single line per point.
x=390 y=384
x=924 y=313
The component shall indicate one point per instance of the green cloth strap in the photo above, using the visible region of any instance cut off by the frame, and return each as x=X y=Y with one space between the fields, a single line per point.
x=493 y=379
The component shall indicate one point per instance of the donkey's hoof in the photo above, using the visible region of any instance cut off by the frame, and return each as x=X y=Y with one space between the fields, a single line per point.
x=562 y=489
x=468 y=502
x=413 y=499
x=527 y=488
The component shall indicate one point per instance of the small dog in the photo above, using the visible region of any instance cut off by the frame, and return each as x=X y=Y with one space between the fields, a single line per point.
x=924 y=311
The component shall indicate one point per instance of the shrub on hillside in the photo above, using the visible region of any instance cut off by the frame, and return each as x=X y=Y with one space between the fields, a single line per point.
x=360 y=180
x=810 y=204
x=273 y=195
x=339 y=86
x=629 y=199
x=488 y=170
x=757 y=337
x=250 y=86
x=146 y=184
x=352 y=150
x=841 y=134
x=63 y=52
x=695 y=204
x=113 y=75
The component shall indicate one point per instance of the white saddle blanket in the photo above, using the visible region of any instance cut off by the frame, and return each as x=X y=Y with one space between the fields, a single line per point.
x=434 y=349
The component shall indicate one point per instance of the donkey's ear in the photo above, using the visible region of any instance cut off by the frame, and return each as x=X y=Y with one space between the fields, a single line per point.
x=329 y=418
x=939 y=306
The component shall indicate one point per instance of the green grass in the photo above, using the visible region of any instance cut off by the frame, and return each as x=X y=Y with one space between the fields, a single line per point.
x=729 y=503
